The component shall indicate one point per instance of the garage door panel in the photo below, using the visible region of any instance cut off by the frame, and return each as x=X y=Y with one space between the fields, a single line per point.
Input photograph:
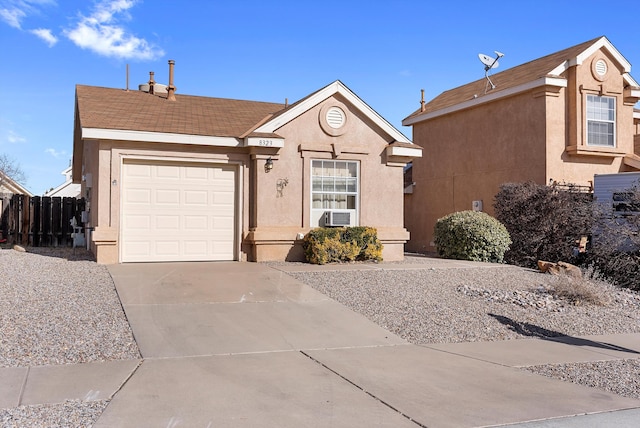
x=222 y=198
x=194 y=222
x=195 y=247
x=194 y=173
x=139 y=171
x=178 y=212
x=138 y=248
x=167 y=196
x=170 y=172
x=168 y=222
x=193 y=197
x=137 y=221
x=138 y=196
x=222 y=223
x=167 y=248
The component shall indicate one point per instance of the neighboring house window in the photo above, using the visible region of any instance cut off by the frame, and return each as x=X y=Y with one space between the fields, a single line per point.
x=334 y=187
x=601 y=121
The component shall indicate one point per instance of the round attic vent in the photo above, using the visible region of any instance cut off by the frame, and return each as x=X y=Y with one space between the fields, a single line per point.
x=601 y=67
x=335 y=117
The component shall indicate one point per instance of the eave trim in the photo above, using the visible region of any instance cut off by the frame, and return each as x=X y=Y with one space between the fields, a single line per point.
x=158 y=137
x=492 y=96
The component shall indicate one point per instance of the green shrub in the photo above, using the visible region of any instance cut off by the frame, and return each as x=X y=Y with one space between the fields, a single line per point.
x=471 y=235
x=342 y=244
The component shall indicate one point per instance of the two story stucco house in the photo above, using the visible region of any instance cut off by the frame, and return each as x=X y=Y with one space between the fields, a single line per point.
x=170 y=177
x=560 y=118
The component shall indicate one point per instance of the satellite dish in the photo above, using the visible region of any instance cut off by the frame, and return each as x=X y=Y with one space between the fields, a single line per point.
x=488 y=61
x=489 y=64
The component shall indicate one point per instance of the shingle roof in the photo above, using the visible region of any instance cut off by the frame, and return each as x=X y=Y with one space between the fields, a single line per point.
x=510 y=78
x=107 y=108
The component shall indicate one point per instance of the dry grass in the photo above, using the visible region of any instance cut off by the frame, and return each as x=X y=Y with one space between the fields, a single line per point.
x=590 y=289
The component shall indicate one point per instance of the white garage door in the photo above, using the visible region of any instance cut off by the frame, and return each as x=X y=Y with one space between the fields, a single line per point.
x=177 y=212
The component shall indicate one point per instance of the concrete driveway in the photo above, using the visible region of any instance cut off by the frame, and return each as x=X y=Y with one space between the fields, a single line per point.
x=244 y=344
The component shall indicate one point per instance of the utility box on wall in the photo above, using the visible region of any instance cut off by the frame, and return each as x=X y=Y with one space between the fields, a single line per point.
x=476 y=205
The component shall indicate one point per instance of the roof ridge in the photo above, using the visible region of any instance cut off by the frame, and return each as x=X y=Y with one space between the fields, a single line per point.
x=182 y=95
x=509 y=78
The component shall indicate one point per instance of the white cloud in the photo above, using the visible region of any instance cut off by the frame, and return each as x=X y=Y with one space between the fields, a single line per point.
x=12 y=16
x=15 y=138
x=56 y=154
x=45 y=34
x=102 y=33
x=12 y=12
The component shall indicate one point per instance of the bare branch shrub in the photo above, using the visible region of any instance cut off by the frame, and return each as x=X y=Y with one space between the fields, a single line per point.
x=616 y=239
x=544 y=222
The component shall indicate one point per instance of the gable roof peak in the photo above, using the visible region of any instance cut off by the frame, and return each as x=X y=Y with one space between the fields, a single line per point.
x=592 y=46
x=336 y=87
x=546 y=70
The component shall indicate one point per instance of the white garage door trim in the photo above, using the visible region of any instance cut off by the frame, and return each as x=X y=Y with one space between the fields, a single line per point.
x=178 y=211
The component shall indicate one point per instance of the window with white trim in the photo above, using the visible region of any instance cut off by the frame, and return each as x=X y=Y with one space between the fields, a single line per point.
x=334 y=187
x=601 y=121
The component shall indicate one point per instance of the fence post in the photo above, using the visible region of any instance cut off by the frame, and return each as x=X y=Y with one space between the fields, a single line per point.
x=5 y=210
x=36 y=227
x=25 y=209
x=46 y=221
x=56 y=217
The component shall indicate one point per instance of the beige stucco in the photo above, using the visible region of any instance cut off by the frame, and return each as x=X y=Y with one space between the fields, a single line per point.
x=273 y=208
x=535 y=135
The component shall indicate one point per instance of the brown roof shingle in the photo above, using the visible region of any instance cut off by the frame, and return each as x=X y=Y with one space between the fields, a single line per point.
x=108 y=108
x=510 y=78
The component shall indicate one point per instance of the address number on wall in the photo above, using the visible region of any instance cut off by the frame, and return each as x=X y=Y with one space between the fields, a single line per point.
x=265 y=142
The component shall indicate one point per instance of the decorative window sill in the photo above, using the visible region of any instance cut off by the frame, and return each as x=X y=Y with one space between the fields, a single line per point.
x=609 y=152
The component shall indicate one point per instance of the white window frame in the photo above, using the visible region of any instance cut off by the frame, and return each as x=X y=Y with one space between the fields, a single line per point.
x=317 y=213
x=594 y=115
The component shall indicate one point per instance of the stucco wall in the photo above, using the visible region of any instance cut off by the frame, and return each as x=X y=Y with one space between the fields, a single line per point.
x=284 y=212
x=575 y=161
x=467 y=155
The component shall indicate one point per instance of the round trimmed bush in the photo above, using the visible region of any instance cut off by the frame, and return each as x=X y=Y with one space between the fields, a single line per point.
x=471 y=235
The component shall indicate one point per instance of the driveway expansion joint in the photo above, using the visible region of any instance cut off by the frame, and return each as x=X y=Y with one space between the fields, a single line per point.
x=370 y=394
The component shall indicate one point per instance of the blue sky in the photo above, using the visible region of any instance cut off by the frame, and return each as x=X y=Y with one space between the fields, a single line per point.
x=385 y=51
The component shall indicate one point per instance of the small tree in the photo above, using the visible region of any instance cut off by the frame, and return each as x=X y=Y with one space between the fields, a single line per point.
x=9 y=168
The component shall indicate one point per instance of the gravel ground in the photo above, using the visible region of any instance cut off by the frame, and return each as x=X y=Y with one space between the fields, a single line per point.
x=70 y=414
x=598 y=374
x=486 y=304
x=473 y=304
x=57 y=306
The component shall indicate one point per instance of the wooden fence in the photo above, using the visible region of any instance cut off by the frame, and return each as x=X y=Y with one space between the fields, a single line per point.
x=39 y=221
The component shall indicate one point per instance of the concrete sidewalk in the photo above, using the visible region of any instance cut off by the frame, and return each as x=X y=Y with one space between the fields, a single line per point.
x=243 y=344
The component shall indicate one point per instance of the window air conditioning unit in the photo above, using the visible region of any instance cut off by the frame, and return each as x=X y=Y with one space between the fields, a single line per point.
x=337 y=218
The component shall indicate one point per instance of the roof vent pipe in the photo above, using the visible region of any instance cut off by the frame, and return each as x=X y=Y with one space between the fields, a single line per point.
x=171 y=90
x=422 y=100
x=151 y=82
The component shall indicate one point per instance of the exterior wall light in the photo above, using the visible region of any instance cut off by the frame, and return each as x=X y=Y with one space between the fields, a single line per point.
x=268 y=165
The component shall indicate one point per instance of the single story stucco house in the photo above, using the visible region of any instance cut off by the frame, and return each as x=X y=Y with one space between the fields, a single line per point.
x=170 y=177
